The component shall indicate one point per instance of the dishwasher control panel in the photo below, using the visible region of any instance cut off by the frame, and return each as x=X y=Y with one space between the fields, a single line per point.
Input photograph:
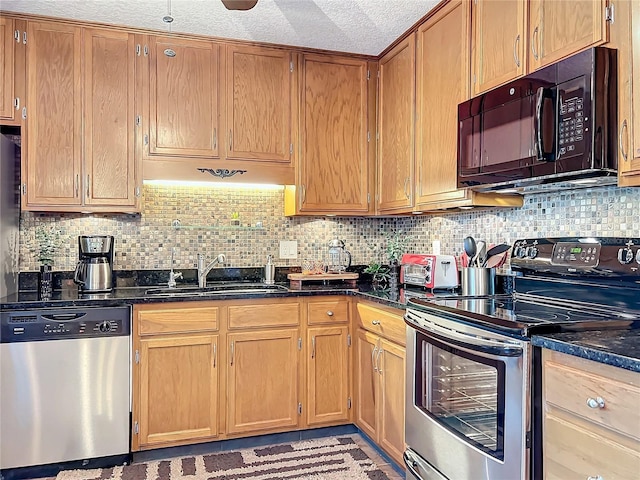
x=58 y=324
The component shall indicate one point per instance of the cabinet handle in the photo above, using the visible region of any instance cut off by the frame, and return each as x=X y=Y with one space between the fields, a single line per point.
x=373 y=358
x=16 y=103
x=313 y=347
x=534 y=36
x=170 y=53
x=330 y=313
x=375 y=322
x=597 y=477
x=215 y=354
x=232 y=352
x=597 y=402
x=622 y=129
x=88 y=183
x=406 y=183
x=378 y=360
x=77 y=185
x=16 y=35
x=515 y=51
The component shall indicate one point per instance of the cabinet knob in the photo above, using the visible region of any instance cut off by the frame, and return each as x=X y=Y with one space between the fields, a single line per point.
x=375 y=322
x=597 y=402
x=330 y=313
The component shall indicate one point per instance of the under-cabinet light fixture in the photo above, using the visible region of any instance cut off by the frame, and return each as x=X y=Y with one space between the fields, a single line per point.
x=185 y=183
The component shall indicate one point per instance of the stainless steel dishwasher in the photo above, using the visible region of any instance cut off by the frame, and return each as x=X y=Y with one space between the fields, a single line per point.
x=64 y=385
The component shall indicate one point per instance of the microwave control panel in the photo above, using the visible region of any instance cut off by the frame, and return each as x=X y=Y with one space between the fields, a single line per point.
x=573 y=118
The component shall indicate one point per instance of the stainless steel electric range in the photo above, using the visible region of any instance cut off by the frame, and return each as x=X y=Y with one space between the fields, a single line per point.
x=473 y=379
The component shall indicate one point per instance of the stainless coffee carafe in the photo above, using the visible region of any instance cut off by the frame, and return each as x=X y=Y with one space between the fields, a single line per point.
x=94 y=272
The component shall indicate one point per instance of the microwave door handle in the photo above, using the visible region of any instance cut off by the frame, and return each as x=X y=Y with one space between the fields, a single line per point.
x=541 y=95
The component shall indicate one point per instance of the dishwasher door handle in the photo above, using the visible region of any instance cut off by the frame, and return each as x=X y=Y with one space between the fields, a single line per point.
x=64 y=317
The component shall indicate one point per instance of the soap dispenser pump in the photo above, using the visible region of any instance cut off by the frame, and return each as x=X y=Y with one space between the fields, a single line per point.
x=269 y=271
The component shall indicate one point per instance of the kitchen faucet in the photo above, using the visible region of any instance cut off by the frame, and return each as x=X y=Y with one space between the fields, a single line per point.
x=203 y=271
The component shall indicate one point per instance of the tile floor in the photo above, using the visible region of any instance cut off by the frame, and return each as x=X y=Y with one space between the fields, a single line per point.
x=366 y=448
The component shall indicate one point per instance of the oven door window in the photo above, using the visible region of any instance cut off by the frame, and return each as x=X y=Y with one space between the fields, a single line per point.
x=462 y=391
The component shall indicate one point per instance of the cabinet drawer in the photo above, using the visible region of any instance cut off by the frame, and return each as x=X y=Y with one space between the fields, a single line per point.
x=177 y=320
x=571 y=389
x=328 y=311
x=384 y=323
x=264 y=315
x=571 y=452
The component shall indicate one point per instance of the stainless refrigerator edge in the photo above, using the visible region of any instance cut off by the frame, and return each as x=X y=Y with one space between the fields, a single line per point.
x=9 y=216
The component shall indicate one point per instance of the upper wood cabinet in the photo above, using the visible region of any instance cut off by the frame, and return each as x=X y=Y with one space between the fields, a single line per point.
x=396 y=128
x=109 y=98
x=52 y=168
x=79 y=123
x=503 y=49
x=13 y=38
x=259 y=90
x=625 y=36
x=559 y=28
x=334 y=173
x=182 y=98
x=499 y=42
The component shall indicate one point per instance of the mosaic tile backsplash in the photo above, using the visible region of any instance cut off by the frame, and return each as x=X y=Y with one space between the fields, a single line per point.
x=246 y=225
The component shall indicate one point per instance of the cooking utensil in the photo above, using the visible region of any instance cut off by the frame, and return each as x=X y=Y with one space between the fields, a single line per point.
x=497 y=249
x=481 y=259
x=470 y=249
x=495 y=261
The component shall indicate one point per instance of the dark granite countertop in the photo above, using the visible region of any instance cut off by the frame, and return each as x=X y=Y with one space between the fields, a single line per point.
x=620 y=348
x=134 y=295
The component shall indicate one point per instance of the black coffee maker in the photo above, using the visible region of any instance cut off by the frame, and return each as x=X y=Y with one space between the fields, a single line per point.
x=94 y=272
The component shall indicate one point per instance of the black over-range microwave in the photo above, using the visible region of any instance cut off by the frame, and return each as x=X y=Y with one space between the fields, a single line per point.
x=556 y=125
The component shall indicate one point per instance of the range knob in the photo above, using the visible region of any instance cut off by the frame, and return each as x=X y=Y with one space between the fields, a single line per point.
x=625 y=255
x=105 y=327
x=638 y=256
x=520 y=252
x=532 y=252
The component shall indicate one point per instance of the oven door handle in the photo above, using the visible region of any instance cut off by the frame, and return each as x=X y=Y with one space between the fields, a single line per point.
x=488 y=346
x=413 y=463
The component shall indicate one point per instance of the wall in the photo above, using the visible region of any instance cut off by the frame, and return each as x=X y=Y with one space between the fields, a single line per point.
x=145 y=241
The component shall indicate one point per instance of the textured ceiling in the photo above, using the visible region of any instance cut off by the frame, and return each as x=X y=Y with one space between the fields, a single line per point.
x=357 y=26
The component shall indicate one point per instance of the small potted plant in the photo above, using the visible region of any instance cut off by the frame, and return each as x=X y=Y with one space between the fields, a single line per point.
x=44 y=247
x=235 y=218
x=379 y=273
x=396 y=245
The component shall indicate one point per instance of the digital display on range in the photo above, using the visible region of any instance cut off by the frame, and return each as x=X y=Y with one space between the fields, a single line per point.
x=576 y=249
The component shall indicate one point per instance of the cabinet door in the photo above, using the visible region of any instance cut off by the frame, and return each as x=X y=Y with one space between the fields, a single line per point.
x=262 y=380
x=54 y=115
x=327 y=378
x=178 y=403
x=391 y=369
x=626 y=39
x=366 y=382
x=559 y=28
x=334 y=173
x=498 y=47
x=259 y=90
x=396 y=128
x=442 y=83
x=109 y=175
x=8 y=43
x=183 y=98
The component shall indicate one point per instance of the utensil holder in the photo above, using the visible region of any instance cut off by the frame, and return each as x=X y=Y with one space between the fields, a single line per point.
x=478 y=281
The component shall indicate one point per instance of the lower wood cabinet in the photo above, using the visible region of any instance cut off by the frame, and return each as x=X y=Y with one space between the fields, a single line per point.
x=379 y=382
x=175 y=374
x=178 y=389
x=591 y=425
x=262 y=380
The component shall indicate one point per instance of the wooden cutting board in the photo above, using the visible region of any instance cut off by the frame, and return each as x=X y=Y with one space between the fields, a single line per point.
x=296 y=279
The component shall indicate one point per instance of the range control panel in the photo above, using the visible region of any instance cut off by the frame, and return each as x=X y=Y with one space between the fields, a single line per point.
x=608 y=256
x=59 y=324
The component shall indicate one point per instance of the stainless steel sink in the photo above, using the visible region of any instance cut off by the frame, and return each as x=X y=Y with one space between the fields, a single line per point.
x=221 y=289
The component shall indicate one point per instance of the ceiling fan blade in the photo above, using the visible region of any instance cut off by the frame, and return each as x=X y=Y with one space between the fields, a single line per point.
x=239 y=4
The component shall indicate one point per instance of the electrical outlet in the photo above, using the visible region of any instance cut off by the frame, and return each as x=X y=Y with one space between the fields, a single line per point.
x=288 y=249
x=435 y=246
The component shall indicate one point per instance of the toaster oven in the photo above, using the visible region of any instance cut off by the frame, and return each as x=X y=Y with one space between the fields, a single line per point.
x=429 y=271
